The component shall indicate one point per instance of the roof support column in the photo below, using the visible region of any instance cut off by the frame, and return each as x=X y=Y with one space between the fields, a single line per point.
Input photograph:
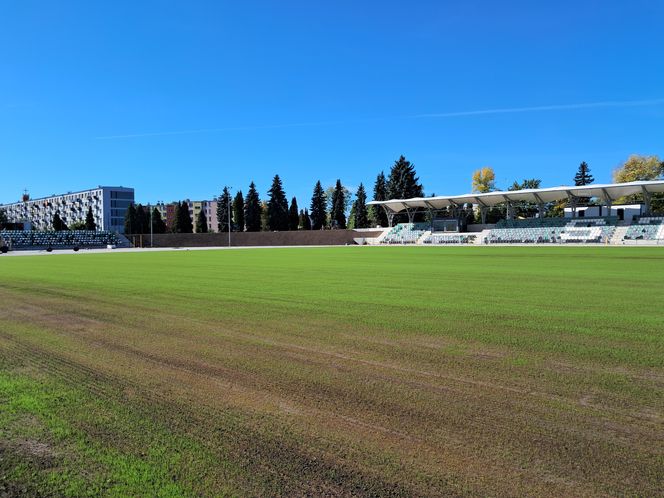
x=646 y=200
x=510 y=208
x=571 y=199
x=608 y=200
x=390 y=215
x=430 y=210
x=483 y=211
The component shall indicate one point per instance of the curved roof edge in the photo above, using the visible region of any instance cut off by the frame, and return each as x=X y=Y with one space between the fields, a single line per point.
x=608 y=192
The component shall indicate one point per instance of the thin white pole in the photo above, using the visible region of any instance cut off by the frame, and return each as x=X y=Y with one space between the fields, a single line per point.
x=229 y=216
x=150 y=208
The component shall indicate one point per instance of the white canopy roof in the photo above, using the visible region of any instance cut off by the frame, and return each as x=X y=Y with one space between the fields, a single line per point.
x=609 y=193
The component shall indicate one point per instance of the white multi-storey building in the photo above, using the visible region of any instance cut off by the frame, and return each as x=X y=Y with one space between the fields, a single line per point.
x=108 y=207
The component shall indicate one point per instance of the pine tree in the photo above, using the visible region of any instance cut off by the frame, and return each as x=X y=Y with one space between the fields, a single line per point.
x=90 y=220
x=318 y=207
x=238 y=212
x=360 y=214
x=338 y=211
x=583 y=176
x=158 y=225
x=130 y=220
x=252 y=210
x=378 y=214
x=277 y=207
x=223 y=205
x=293 y=215
x=201 y=222
x=403 y=182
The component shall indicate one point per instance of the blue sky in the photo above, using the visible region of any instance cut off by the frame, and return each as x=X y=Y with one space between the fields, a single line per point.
x=178 y=99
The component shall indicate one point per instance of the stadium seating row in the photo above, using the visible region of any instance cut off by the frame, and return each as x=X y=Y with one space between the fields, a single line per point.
x=449 y=238
x=405 y=233
x=74 y=238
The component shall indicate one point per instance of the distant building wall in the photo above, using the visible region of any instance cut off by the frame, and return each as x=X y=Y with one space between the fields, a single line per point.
x=108 y=204
x=626 y=212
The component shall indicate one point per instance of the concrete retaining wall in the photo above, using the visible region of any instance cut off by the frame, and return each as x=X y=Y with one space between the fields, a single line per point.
x=295 y=238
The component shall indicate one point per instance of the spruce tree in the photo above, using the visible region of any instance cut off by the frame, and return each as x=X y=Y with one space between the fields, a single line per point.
x=182 y=222
x=201 y=222
x=378 y=214
x=318 y=207
x=223 y=205
x=277 y=207
x=58 y=224
x=90 y=220
x=360 y=214
x=142 y=220
x=186 y=223
x=583 y=176
x=305 y=220
x=293 y=215
x=175 y=226
x=252 y=210
x=338 y=211
x=238 y=212
x=130 y=220
x=403 y=182
x=158 y=225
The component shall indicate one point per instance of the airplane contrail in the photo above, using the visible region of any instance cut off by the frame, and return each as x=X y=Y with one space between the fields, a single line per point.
x=542 y=108
x=453 y=114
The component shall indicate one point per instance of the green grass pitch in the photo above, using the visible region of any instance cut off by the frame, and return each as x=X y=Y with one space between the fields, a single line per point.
x=343 y=371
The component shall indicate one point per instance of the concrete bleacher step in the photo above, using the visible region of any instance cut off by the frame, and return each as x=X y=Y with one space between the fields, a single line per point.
x=479 y=240
x=619 y=235
x=420 y=240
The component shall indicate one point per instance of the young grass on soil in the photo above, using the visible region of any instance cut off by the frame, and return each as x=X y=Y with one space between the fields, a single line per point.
x=337 y=371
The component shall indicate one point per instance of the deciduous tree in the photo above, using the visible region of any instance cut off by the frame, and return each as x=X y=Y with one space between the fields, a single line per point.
x=484 y=180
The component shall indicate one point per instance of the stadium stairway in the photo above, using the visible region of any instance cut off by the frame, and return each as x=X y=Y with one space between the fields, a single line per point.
x=122 y=241
x=420 y=240
x=619 y=235
x=479 y=240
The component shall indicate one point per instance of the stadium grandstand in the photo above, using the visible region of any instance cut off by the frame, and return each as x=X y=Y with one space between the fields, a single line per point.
x=446 y=217
x=74 y=239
